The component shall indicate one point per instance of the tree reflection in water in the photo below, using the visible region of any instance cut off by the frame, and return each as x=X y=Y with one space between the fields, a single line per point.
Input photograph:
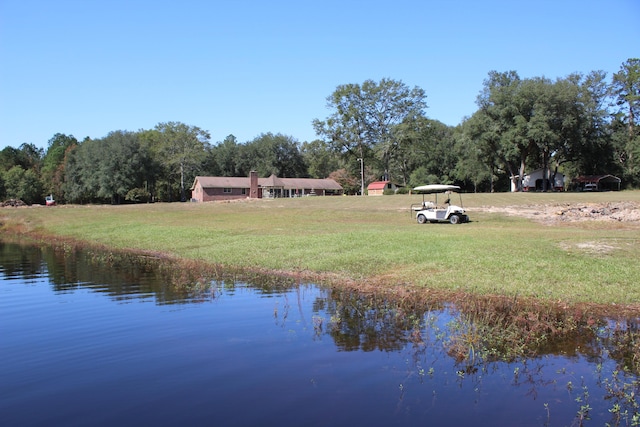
x=479 y=335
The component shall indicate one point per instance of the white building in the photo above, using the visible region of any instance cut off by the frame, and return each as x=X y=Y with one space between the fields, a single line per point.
x=534 y=181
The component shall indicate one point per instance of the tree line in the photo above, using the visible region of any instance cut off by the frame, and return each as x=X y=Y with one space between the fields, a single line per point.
x=577 y=125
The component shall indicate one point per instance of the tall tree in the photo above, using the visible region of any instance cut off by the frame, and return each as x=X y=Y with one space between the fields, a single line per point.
x=123 y=165
x=362 y=118
x=21 y=167
x=273 y=154
x=80 y=185
x=181 y=149
x=320 y=159
x=494 y=124
x=484 y=139
x=27 y=156
x=470 y=165
x=531 y=120
x=107 y=169
x=10 y=157
x=626 y=90
x=226 y=156
x=424 y=144
x=53 y=164
x=23 y=185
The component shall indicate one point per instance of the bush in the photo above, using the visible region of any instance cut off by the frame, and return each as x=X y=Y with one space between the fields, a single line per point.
x=23 y=185
x=138 y=195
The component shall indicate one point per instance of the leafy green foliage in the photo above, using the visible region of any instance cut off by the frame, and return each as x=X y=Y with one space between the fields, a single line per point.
x=320 y=159
x=23 y=185
x=106 y=169
x=361 y=124
x=272 y=154
x=564 y=126
x=626 y=90
x=53 y=164
x=180 y=149
x=27 y=156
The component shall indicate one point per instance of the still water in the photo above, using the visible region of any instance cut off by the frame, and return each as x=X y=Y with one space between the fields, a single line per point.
x=104 y=344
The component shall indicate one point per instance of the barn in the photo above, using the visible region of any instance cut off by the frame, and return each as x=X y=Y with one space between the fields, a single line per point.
x=377 y=188
x=534 y=181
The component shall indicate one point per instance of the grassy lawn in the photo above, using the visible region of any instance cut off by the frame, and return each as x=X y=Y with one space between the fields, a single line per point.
x=376 y=239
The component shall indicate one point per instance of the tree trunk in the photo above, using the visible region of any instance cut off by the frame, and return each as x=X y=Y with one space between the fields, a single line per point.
x=183 y=196
x=545 y=170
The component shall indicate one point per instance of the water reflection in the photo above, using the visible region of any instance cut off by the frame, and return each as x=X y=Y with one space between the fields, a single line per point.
x=285 y=349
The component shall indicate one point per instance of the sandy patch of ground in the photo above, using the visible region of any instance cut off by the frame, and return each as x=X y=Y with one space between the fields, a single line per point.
x=558 y=213
x=612 y=213
x=592 y=247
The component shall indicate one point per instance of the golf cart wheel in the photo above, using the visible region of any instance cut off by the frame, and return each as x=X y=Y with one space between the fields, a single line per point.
x=454 y=219
x=422 y=219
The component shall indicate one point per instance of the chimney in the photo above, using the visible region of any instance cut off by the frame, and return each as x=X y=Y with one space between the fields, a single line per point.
x=253 y=190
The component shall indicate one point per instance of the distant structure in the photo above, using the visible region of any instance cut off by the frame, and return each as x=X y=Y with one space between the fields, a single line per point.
x=212 y=188
x=596 y=183
x=534 y=181
x=377 y=188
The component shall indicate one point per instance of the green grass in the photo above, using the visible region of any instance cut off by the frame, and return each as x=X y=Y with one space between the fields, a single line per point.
x=375 y=239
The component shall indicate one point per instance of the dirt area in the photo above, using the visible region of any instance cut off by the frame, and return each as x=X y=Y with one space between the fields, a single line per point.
x=557 y=213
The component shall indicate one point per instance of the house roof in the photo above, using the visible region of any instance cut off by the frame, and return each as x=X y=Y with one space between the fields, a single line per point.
x=222 y=182
x=540 y=171
x=271 y=182
x=313 y=183
x=377 y=185
x=295 y=183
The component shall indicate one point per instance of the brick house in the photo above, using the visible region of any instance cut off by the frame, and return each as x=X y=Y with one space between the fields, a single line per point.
x=211 y=188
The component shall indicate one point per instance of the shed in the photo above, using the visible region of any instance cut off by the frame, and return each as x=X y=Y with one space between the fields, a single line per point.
x=534 y=181
x=377 y=188
x=601 y=182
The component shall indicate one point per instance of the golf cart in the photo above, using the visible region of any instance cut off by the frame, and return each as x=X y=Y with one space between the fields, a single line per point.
x=430 y=211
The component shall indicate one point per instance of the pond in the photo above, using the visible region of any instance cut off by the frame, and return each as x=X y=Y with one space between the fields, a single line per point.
x=94 y=340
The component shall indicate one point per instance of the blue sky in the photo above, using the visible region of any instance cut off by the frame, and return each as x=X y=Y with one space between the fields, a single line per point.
x=245 y=67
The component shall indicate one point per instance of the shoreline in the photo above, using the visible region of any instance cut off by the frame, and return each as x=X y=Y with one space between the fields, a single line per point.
x=405 y=295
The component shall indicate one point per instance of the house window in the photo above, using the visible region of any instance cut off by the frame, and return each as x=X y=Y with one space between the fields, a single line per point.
x=244 y=191
x=226 y=191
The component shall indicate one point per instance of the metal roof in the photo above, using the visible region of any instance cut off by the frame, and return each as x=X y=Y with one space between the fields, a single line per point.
x=598 y=178
x=377 y=185
x=222 y=182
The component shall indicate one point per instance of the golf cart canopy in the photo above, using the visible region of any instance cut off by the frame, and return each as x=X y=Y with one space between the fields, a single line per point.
x=436 y=188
